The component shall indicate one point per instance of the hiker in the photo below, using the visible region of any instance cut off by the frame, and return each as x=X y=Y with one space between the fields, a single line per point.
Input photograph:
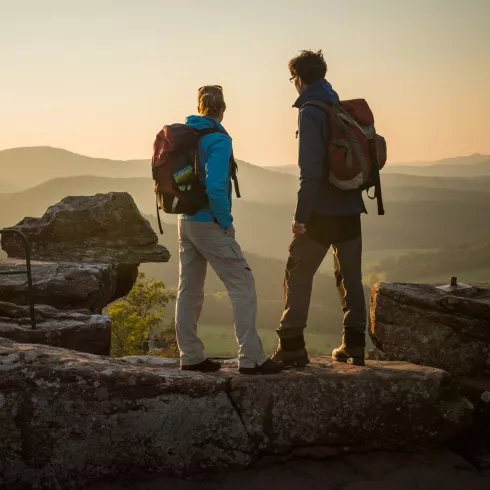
x=325 y=217
x=208 y=236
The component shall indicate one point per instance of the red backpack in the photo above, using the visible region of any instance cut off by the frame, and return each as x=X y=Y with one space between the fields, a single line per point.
x=175 y=168
x=356 y=153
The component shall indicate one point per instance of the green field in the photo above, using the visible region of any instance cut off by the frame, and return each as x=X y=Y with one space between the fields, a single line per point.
x=372 y=258
x=220 y=341
x=467 y=276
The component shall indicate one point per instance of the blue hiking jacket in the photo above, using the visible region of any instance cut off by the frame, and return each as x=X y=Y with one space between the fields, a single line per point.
x=316 y=194
x=214 y=154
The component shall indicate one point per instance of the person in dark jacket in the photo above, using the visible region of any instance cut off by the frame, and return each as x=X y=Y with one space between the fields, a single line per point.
x=325 y=217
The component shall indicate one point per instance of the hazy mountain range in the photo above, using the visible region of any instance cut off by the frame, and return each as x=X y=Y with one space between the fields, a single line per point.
x=424 y=214
x=468 y=166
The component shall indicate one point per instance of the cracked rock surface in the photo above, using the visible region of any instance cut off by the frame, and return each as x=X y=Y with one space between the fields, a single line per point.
x=67 y=418
x=78 y=330
x=86 y=251
x=64 y=285
x=418 y=324
x=105 y=228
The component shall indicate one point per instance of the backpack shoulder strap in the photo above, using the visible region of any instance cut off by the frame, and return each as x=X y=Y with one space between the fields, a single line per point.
x=233 y=164
x=205 y=132
x=317 y=103
x=234 y=176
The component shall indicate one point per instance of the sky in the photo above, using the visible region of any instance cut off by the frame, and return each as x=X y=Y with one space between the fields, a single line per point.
x=101 y=77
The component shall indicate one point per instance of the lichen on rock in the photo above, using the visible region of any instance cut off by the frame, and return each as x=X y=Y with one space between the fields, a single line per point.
x=71 y=417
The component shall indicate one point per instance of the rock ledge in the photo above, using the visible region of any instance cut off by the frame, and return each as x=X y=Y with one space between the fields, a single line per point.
x=67 y=417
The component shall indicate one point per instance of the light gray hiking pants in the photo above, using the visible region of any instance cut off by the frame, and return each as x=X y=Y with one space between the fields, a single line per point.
x=200 y=243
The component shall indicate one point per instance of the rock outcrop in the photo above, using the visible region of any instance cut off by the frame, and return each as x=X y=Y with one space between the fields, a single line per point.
x=420 y=324
x=63 y=285
x=86 y=253
x=81 y=331
x=105 y=228
x=67 y=417
x=101 y=229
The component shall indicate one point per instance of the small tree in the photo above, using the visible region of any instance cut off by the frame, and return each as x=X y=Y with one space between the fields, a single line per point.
x=166 y=343
x=134 y=316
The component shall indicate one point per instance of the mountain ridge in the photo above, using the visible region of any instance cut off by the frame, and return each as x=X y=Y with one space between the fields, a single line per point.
x=474 y=165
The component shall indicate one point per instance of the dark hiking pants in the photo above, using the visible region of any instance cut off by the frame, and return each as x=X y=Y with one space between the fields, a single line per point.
x=305 y=257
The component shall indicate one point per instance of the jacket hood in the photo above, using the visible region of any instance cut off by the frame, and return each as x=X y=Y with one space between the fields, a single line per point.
x=202 y=122
x=320 y=90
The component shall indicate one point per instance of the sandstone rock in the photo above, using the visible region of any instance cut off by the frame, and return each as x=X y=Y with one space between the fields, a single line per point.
x=84 y=332
x=418 y=324
x=373 y=471
x=65 y=285
x=105 y=228
x=67 y=417
x=384 y=405
x=475 y=443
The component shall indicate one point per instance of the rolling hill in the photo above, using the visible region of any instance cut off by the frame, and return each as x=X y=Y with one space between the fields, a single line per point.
x=422 y=212
x=480 y=169
x=461 y=167
x=24 y=168
x=27 y=167
x=470 y=262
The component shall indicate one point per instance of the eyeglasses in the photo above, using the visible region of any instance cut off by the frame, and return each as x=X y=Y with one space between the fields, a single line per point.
x=292 y=79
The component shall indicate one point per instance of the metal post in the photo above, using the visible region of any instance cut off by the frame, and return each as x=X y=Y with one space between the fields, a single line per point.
x=28 y=271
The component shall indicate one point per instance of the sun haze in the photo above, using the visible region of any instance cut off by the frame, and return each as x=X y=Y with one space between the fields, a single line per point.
x=101 y=77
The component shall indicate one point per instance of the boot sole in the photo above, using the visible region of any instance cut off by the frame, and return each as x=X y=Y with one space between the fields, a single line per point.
x=254 y=372
x=192 y=368
x=299 y=363
x=354 y=361
x=201 y=370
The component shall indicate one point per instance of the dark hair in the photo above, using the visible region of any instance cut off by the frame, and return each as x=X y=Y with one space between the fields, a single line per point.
x=309 y=66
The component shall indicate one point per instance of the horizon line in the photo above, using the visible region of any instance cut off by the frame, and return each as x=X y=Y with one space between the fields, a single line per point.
x=412 y=162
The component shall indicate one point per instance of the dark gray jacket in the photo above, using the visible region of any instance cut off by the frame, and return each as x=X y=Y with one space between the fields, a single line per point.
x=316 y=194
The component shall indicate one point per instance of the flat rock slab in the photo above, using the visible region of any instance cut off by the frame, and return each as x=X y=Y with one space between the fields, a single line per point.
x=84 y=332
x=381 y=470
x=67 y=417
x=383 y=405
x=419 y=324
x=105 y=228
x=65 y=285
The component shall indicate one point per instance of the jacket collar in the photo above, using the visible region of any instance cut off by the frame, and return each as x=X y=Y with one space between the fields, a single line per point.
x=318 y=90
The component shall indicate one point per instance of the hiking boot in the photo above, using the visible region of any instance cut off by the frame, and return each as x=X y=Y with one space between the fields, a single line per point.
x=292 y=352
x=350 y=355
x=268 y=367
x=352 y=349
x=206 y=366
x=291 y=358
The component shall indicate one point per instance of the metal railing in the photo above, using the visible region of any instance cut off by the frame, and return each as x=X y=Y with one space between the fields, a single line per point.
x=27 y=271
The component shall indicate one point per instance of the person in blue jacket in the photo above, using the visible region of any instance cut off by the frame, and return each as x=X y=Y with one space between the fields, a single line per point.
x=209 y=237
x=326 y=217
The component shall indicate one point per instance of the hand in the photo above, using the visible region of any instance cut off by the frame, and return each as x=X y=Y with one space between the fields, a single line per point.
x=298 y=228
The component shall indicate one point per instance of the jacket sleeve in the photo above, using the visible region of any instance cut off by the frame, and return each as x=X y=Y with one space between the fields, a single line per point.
x=312 y=153
x=218 y=179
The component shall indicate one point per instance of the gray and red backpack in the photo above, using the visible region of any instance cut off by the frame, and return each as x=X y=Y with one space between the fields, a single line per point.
x=356 y=153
